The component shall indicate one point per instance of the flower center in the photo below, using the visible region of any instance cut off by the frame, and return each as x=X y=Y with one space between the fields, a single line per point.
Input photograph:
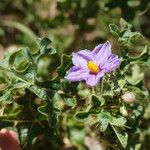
x=93 y=67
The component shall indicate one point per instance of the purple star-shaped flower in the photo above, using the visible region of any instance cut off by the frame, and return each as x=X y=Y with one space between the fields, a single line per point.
x=90 y=66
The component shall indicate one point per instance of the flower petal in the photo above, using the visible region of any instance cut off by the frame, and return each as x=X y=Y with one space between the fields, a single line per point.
x=72 y=69
x=87 y=54
x=77 y=75
x=112 y=63
x=97 y=49
x=94 y=79
x=80 y=59
x=101 y=53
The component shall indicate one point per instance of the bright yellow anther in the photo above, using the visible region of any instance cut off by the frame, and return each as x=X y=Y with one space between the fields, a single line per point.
x=93 y=67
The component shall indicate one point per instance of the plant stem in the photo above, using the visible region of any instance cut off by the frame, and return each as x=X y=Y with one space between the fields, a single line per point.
x=101 y=86
x=93 y=91
x=19 y=135
x=24 y=121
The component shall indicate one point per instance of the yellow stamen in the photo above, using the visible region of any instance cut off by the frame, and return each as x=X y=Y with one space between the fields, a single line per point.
x=93 y=67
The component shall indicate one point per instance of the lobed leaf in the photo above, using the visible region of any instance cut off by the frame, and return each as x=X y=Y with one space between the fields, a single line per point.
x=121 y=135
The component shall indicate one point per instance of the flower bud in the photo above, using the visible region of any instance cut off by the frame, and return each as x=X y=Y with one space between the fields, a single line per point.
x=123 y=111
x=128 y=97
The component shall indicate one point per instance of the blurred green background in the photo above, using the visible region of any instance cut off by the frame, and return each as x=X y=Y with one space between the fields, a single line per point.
x=70 y=24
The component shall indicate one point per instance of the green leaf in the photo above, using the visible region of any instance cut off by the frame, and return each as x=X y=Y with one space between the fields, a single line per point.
x=4 y=81
x=72 y=86
x=40 y=92
x=77 y=136
x=124 y=34
x=50 y=112
x=124 y=24
x=65 y=65
x=128 y=36
x=134 y=74
x=118 y=121
x=58 y=101
x=114 y=29
x=121 y=135
x=144 y=56
x=104 y=119
x=11 y=111
x=20 y=60
x=95 y=101
x=53 y=114
x=44 y=46
x=20 y=85
x=7 y=97
x=72 y=102
x=82 y=115
x=43 y=110
x=42 y=71
x=23 y=132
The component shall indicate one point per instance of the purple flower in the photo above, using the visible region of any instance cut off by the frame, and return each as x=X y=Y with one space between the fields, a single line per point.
x=90 y=66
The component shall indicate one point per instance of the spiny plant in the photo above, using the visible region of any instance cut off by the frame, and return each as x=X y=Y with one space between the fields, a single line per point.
x=39 y=99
